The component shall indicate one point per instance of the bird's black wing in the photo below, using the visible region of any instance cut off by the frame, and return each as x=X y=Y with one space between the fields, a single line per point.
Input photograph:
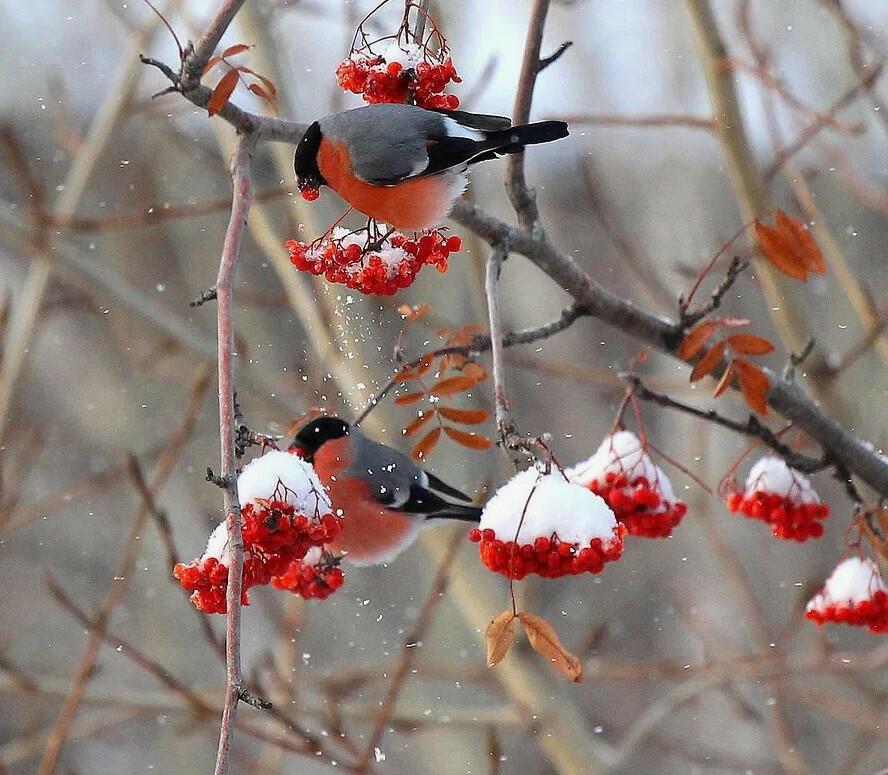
x=436 y=484
x=482 y=121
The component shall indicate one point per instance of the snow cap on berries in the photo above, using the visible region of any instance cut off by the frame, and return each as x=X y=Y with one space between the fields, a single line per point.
x=556 y=507
x=853 y=581
x=854 y=594
x=782 y=497
x=407 y=54
x=283 y=477
x=622 y=453
x=772 y=474
x=635 y=487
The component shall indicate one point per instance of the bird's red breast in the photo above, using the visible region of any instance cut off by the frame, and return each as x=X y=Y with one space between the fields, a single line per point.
x=415 y=204
x=370 y=533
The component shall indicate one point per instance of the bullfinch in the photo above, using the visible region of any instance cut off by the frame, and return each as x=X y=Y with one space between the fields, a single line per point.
x=405 y=165
x=385 y=498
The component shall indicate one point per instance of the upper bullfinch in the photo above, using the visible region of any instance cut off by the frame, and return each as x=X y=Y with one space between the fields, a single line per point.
x=385 y=498
x=405 y=165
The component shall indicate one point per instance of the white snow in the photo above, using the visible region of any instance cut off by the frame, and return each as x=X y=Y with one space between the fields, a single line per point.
x=623 y=453
x=572 y=511
x=217 y=546
x=772 y=474
x=853 y=581
x=409 y=55
x=285 y=477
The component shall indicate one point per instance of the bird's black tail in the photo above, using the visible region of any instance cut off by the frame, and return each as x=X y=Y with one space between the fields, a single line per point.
x=513 y=139
x=458 y=512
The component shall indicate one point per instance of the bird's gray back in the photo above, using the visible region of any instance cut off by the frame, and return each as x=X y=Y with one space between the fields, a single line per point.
x=391 y=471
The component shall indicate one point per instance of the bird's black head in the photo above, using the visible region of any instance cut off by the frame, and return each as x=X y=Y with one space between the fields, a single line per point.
x=308 y=176
x=310 y=438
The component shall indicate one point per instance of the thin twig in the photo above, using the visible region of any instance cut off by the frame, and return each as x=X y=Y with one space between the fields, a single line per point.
x=240 y=207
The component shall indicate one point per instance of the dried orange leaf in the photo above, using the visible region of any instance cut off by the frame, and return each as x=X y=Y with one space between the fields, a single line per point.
x=451 y=385
x=469 y=440
x=260 y=92
x=781 y=250
x=426 y=444
x=544 y=640
x=222 y=92
x=267 y=82
x=711 y=358
x=237 y=48
x=410 y=398
x=695 y=339
x=414 y=426
x=499 y=637
x=724 y=383
x=809 y=251
x=753 y=385
x=475 y=371
x=748 y=344
x=425 y=364
x=464 y=416
x=211 y=63
x=414 y=312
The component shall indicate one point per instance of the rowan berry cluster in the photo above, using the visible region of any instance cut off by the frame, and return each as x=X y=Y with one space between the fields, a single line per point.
x=373 y=266
x=315 y=576
x=854 y=594
x=636 y=489
x=279 y=528
x=544 y=524
x=783 y=498
x=402 y=73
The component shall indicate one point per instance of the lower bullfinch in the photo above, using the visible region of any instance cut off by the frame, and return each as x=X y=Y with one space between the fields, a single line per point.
x=385 y=498
x=405 y=165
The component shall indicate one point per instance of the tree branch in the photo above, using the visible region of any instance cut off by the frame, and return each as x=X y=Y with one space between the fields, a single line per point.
x=240 y=207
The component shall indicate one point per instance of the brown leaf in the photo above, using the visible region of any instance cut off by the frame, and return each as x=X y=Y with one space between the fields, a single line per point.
x=237 y=48
x=499 y=637
x=724 y=383
x=222 y=92
x=780 y=248
x=260 y=92
x=544 y=640
x=748 y=344
x=414 y=426
x=808 y=249
x=410 y=398
x=211 y=63
x=464 y=416
x=451 y=385
x=268 y=83
x=753 y=385
x=426 y=444
x=695 y=339
x=711 y=358
x=469 y=440
x=414 y=312
x=475 y=371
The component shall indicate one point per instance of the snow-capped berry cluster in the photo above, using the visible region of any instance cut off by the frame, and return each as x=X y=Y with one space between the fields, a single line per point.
x=564 y=528
x=782 y=497
x=315 y=576
x=637 y=490
x=381 y=266
x=402 y=72
x=854 y=594
x=285 y=513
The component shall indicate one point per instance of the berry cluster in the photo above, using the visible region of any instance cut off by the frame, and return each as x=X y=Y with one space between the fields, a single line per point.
x=783 y=498
x=381 y=266
x=544 y=524
x=275 y=537
x=546 y=556
x=854 y=594
x=399 y=74
x=636 y=489
x=315 y=576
